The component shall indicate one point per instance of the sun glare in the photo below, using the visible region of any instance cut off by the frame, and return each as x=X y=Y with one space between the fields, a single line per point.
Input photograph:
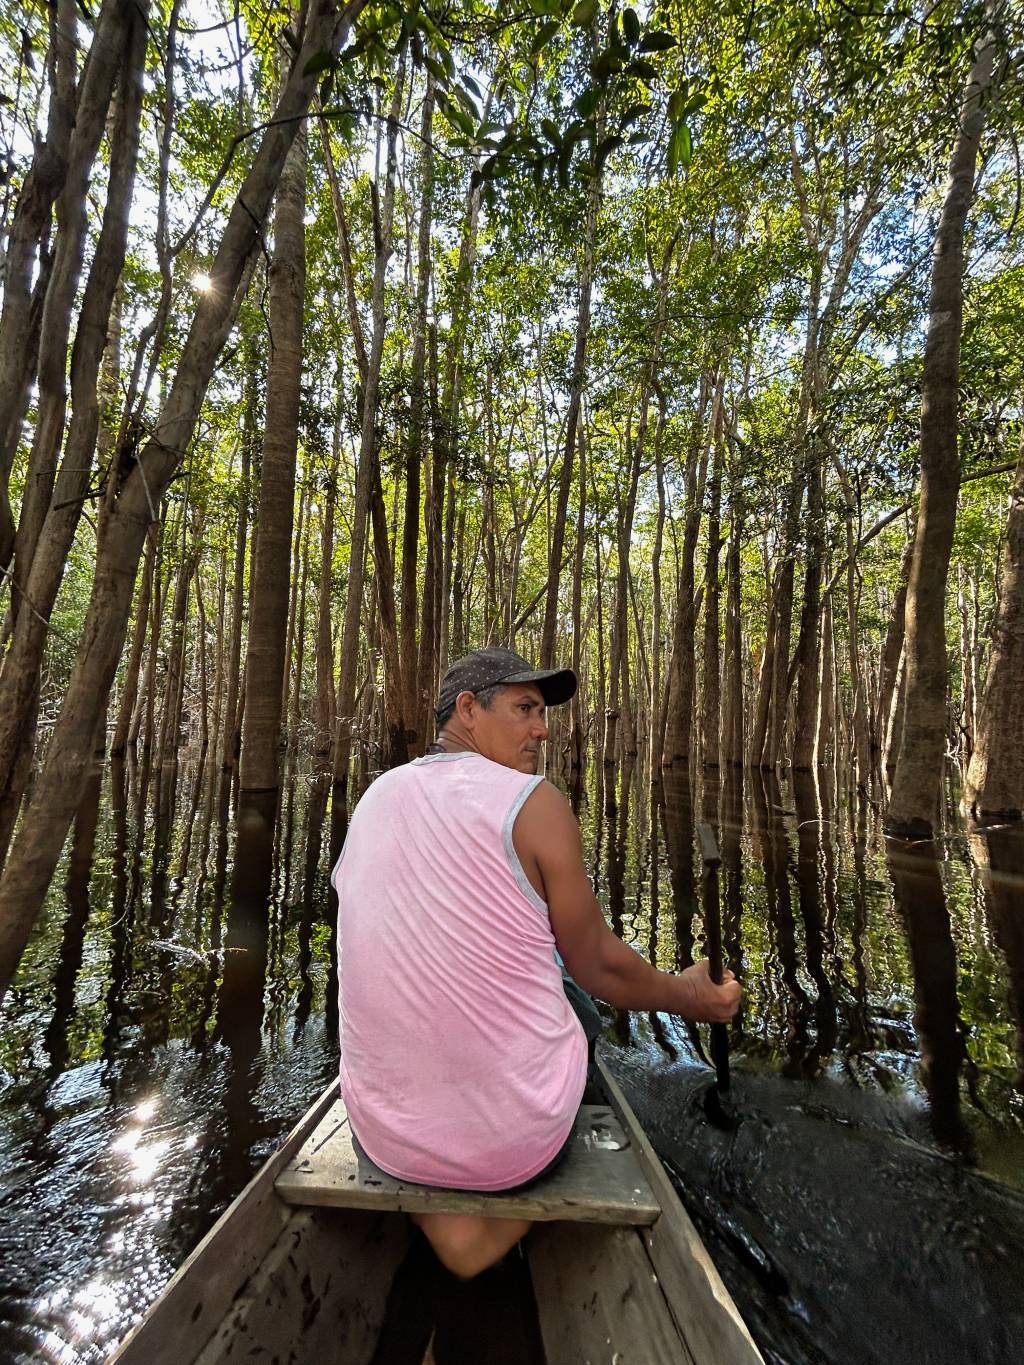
x=202 y=282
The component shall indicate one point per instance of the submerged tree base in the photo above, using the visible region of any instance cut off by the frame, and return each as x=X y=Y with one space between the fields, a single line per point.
x=914 y=831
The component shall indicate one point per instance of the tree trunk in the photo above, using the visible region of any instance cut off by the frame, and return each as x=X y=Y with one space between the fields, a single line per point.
x=657 y=644
x=294 y=711
x=446 y=431
x=297 y=587
x=825 y=743
x=914 y=807
x=265 y=657
x=130 y=691
x=995 y=779
x=576 y=735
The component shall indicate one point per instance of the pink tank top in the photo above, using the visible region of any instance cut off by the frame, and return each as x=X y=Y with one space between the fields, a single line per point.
x=462 y=1062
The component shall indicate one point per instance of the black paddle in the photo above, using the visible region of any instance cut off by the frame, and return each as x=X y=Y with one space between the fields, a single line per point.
x=717 y=1103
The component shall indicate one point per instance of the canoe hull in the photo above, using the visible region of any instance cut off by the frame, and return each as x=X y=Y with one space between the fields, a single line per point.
x=273 y=1282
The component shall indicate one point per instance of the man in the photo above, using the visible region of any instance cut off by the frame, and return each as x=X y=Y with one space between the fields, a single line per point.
x=462 y=1061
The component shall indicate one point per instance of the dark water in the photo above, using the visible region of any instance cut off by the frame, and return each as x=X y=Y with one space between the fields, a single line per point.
x=174 y=1016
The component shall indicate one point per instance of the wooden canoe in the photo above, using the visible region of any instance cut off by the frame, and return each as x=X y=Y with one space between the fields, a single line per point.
x=306 y=1264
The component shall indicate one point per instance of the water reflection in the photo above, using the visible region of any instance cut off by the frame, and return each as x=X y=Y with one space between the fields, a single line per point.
x=921 y=901
x=186 y=962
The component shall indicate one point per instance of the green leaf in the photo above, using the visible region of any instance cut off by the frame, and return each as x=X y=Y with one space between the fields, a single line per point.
x=687 y=147
x=455 y=116
x=550 y=131
x=466 y=100
x=585 y=13
x=605 y=148
x=631 y=26
x=586 y=103
x=680 y=148
x=544 y=35
x=643 y=69
x=657 y=41
x=634 y=112
x=436 y=69
x=320 y=61
x=608 y=63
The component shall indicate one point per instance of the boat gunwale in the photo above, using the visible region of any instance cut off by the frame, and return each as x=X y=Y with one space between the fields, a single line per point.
x=713 y=1331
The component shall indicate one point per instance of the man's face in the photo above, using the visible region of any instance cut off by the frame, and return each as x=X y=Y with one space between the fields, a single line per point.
x=513 y=730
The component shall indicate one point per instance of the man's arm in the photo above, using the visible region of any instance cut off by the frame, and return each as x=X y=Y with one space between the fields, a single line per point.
x=547 y=839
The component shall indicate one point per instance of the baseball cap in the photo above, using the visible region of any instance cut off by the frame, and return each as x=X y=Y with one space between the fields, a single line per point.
x=491 y=665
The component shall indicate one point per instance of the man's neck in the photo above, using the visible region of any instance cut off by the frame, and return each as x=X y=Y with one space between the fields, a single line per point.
x=449 y=743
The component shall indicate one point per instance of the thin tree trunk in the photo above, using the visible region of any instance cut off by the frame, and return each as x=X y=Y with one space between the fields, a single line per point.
x=130 y=691
x=732 y=710
x=26 y=256
x=892 y=651
x=324 y=713
x=117 y=48
x=229 y=752
x=806 y=659
x=825 y=749
x=579 y=365
x=297 y=579
x=994 y=788
x=417 y=442
x=39 y=584
x=711 y=723
x=682 y=673
x=367 y=466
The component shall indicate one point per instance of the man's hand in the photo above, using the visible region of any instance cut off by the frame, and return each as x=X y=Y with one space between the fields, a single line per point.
x=707 y=1003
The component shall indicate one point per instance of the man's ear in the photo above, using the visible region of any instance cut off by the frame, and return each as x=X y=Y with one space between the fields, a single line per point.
x=465 y=708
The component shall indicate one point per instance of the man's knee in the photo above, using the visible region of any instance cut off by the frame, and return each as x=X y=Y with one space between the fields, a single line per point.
x=467 y=1244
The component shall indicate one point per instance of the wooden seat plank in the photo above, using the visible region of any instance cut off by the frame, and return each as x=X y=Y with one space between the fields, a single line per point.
x=599 y=1181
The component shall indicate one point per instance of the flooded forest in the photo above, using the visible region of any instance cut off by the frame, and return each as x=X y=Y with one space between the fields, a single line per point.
x=679 y=345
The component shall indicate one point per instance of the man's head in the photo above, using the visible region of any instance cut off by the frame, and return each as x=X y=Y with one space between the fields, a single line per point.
x=493 y=701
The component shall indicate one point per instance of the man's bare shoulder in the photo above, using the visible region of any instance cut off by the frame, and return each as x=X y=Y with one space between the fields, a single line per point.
x=546 y=818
